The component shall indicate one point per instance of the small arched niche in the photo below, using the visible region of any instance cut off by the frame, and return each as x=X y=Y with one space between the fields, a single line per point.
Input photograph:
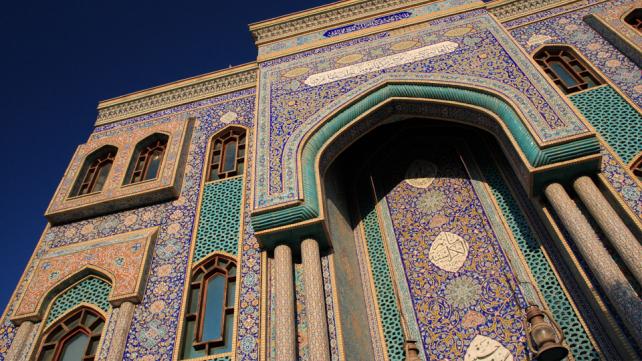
x=147 y=160
x=95 y=171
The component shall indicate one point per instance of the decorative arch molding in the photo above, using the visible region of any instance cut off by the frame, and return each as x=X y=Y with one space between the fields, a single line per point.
x=535 y=129
x=121 y=259
x=510 y=117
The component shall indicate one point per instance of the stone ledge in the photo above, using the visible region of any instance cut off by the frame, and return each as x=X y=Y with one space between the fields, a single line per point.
x=321 y=17
x=177 y=93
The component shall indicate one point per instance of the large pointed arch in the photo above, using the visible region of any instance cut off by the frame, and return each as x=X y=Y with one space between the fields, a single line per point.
x=535 y=161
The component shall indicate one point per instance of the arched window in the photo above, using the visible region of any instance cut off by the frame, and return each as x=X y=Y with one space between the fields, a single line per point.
x=75 y=337
x=566 y=69
x=147 y=159
x=209 y=318
x=635 y=19
x=94 y=172
x=636 y=168
x=227 y=154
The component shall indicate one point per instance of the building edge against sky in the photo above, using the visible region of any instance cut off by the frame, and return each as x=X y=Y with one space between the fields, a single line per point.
x=389 y=180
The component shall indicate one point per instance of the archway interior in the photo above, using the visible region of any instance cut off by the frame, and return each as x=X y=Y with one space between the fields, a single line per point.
x=413 y=242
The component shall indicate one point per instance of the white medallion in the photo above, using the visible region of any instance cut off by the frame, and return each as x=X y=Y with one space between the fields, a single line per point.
x=486 y=349
x=448 y=251
x=229 y=117
x=421 y=173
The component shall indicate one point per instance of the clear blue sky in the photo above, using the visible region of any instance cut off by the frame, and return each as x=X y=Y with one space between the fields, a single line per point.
x=60 y=58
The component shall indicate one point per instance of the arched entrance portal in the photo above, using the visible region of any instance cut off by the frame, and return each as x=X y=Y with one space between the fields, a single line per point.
x=418 y=238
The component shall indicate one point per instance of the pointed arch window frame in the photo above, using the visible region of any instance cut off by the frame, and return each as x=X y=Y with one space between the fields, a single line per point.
x=633 y=19
x=561 y=63
x=66 y=325
x=90 y=170
x=142 y=153
x=195 y=310
x=216 y=160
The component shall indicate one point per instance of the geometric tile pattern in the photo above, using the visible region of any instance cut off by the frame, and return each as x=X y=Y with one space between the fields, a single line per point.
x=620 y=126
x=530 y=247
x=220 y=218
x=91 y=290
x=386 y=302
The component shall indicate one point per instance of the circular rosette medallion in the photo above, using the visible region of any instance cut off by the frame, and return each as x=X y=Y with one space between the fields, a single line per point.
x=421 y=173
x=448 y=251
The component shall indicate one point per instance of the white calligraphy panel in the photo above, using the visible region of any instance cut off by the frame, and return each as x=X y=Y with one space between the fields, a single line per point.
x=448 y=251
x=382 y=63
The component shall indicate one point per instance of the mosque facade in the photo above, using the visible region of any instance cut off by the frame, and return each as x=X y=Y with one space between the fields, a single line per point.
x=388 y=180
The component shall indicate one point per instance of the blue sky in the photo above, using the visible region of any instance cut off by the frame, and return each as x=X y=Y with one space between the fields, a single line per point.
x=60 y=58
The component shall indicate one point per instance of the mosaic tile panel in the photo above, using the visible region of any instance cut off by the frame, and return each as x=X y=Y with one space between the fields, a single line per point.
x=91 y=290
x=249 y=324
x=220 y=218
x=385 y=298
x=330 y=310
x=629 y=189
x=461 y=284
x=618 y=126
x=530 y=247
x=570 y=28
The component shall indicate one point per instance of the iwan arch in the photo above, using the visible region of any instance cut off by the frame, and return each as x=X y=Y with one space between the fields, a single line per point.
x=410 y=180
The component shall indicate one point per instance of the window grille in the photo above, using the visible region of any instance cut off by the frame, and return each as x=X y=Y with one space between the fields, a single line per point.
x=567 y=69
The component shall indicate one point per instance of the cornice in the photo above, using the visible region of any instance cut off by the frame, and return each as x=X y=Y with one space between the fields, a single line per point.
x=177 y=93
x=323 y=16
x=511 y=9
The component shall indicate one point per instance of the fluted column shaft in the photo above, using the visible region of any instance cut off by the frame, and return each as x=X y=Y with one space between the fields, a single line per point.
x=124 y=314
x=284 y=304
x=18 y=350
x=609 y=276
x=315 y=301
x=611 y=224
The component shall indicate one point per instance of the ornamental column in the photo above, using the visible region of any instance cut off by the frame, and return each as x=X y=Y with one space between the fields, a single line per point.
x=315 y=301
x=20 y=346
x=124 y=315
x=284 y=304
x=624 y=242
x=608 y=274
